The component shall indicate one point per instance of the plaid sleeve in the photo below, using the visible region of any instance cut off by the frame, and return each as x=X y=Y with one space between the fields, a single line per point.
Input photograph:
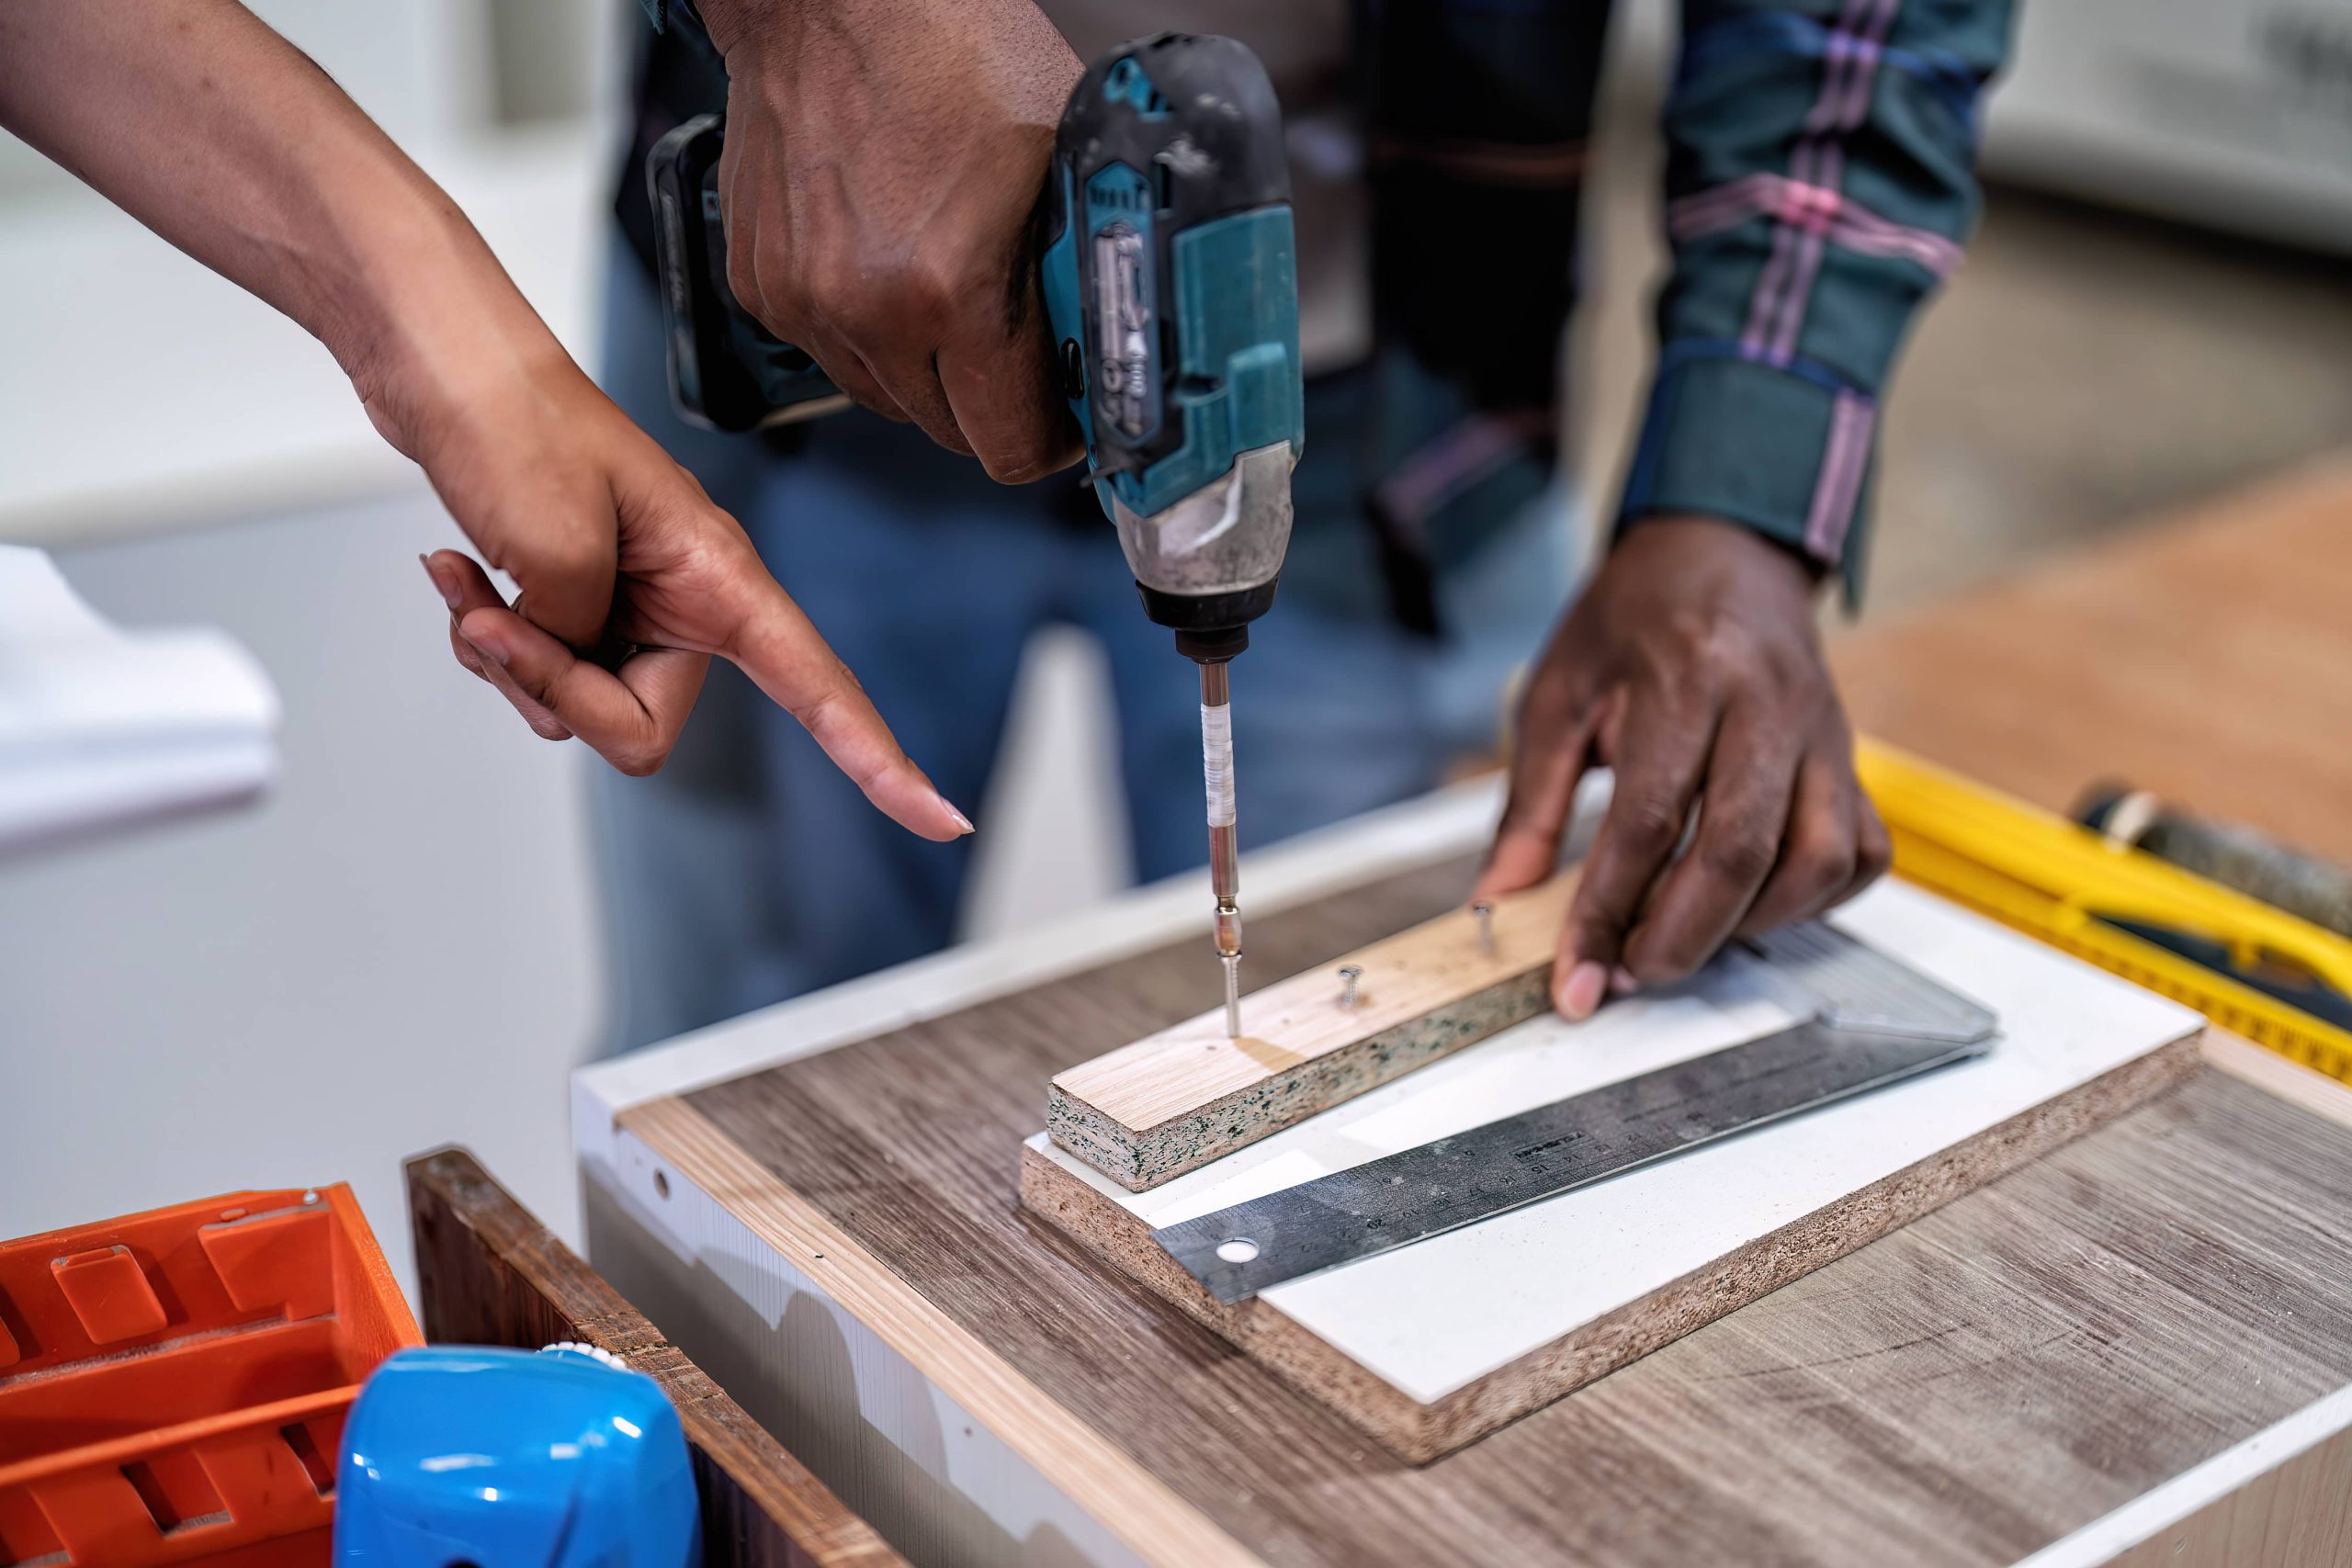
x=1819 y=183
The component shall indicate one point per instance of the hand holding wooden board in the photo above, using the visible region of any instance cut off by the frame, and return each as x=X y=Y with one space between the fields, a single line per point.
x=1172 y=1101
x=1430 y=1346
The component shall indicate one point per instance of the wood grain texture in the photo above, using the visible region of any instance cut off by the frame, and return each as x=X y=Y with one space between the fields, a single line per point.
x=1149 y=1515
x=1417 y=1432
x=2297 y=1516
x=490 y=1274
x=1178 y=1099
x=2290 y=1081
x=2203 y=658
x=1960 y=1392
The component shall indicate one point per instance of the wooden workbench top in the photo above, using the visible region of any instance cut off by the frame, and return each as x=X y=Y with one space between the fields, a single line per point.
x=1966 y=1392
x=2207 y=657
x=1963 y=1391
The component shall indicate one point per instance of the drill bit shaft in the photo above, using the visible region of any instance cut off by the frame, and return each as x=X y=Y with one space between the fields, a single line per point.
x=1225 y=874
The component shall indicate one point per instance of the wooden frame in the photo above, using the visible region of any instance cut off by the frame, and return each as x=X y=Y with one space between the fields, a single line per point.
x=489 y=1273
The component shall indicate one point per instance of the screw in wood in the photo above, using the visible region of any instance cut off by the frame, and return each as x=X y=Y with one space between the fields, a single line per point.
x=1486 y=914
x=1348 y=975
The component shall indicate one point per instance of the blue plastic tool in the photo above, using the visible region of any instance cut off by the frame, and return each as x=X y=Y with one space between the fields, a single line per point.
x=457 y=1455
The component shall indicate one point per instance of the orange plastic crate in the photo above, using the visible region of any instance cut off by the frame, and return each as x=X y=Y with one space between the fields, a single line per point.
x=172 y=1385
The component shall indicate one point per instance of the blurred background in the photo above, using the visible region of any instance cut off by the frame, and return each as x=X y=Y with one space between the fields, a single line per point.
x=398 y=947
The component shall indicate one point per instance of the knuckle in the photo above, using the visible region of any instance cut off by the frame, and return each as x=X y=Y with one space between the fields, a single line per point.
x=1821 y=865
x=935 y=284
x=743 y=277
x=640 y=759
x=1741 y=856
x=1660 y=960
x=536 y=685
x=1648 y=825
x=1726 y=653
x=1875 y=853
x=881 y=296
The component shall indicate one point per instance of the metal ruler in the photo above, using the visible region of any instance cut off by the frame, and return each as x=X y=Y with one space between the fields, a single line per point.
x=1869 y=1022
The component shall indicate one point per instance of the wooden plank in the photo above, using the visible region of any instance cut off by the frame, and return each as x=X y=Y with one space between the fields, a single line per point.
x=1431 y=1347
x=490 y=1274
x=1962 y=1391
x=1177 y=1099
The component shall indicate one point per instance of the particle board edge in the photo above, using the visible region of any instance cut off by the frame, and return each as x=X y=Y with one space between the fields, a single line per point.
x=1418 y=1433
x=1458 y=991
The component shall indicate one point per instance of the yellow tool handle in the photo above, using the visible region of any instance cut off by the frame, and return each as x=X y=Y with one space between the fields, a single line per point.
x=2041 y=874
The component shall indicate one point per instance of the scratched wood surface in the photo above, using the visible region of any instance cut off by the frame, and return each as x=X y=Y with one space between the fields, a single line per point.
x=489 y=1273
x=1962 y=1392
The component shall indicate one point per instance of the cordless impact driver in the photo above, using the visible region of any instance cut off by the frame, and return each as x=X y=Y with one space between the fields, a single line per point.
x=1170 y=278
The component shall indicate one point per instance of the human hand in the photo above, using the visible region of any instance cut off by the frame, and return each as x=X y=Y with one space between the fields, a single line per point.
x=1692 y=667
x=221 y=137
x=884 y=160
x=631 y=579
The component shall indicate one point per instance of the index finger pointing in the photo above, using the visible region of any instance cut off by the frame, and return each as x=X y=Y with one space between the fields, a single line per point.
x=785 y=656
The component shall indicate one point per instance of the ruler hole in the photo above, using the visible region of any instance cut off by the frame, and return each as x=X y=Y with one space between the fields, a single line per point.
x=1238 y=1249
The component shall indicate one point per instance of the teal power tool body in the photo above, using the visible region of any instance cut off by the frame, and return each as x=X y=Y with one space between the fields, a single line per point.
x=1169 y=277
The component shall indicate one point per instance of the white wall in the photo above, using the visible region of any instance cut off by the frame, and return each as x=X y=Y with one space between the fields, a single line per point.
x=394 y=951
x=398 y=949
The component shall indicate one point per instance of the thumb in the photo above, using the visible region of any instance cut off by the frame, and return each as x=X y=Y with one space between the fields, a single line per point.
x=559 y=536
x=566 y=573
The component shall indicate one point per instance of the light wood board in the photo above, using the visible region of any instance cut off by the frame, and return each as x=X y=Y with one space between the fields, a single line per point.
x=1174 y=1100
x=1431 y=1346
x=1963 y=1391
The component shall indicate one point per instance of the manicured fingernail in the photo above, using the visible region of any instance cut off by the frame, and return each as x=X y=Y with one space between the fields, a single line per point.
x=491 y=646
x=1622 y=981
x=961 y=821
x=1581 y=995
x=441 y=584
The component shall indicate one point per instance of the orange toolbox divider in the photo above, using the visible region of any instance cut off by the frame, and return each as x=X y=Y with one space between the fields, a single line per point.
x=172 y=1385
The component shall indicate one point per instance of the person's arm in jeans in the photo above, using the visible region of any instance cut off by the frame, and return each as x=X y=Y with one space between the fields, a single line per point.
x=1819 y=183
x=222 y=138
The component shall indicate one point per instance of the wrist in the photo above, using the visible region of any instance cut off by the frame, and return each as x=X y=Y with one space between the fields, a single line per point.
x=427 y=324
x=1700 y=535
